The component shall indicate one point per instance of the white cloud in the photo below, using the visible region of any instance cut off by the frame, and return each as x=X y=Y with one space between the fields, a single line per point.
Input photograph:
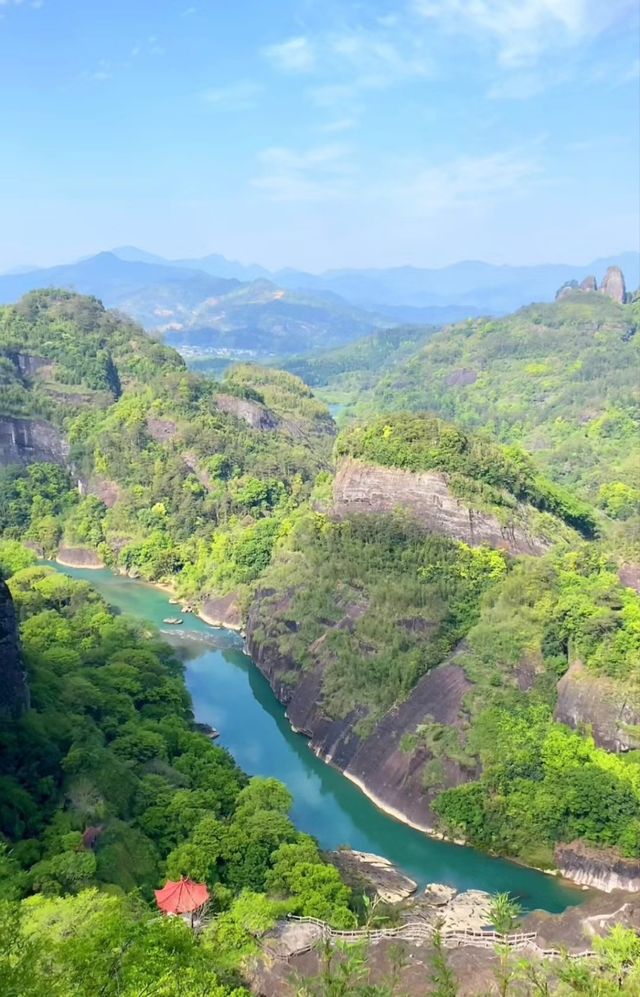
x=379 y=59
x=355 y=59
x=239 y=96
x=469 y=180
x=319 y=173
x=295 y=55
x=525 y=29
x=338 y=125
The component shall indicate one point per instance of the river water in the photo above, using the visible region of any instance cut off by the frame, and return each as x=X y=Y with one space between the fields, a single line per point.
x=229 y=692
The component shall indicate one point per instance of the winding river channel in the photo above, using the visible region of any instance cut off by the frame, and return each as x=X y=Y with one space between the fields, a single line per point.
x=229 y=692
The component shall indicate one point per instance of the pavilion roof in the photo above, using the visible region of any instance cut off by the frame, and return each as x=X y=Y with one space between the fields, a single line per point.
x=182 y=897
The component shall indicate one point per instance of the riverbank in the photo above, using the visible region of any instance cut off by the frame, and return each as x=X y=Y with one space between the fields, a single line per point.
x=79 y=557
x=230 y=694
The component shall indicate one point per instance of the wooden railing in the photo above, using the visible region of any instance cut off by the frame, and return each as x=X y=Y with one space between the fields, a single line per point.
x=420 y=931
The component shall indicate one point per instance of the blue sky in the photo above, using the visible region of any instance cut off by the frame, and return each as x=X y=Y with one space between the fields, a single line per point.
x=319 y=134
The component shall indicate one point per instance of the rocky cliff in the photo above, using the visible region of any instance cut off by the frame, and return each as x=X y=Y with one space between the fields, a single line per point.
x=25 y=441
x=613 y=285
x=601 y=868
x=608 y=709
x=254 y=413
x=365 y=488
x=390 y=772
x=222 y=611
x=78 y=557
x=14 y=695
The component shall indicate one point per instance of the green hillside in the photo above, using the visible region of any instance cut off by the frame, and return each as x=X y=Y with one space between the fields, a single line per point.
x=175 y=481
x=561 y=380
x=338 y=375
x=60 y=352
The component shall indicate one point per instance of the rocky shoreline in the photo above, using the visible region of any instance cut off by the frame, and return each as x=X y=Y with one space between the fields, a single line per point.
x=79 y=557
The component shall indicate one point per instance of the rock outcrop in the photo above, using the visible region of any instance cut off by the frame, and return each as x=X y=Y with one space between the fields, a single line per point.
x=161 y=430
x=613 y=285
x=26 y=441
x=14 y=694
x=223 y=611
x=574 y=929
x=78 y=557
x=381 y=764
x=426 y=496
x=254 y=413
x=378 y=875
x=609 y=710
x=602 y=868
x=31 y=365
x=589 y=284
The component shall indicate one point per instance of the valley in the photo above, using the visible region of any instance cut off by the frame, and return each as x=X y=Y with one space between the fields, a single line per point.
x=438 y=592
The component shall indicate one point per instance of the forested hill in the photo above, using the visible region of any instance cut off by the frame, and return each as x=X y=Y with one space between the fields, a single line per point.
x=166 y=460
x=560 y=379
x=60 y=351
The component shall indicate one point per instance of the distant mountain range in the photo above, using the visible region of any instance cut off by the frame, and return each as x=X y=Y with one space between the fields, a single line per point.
x=212 y=304
x=205 y=313
x=404 y=294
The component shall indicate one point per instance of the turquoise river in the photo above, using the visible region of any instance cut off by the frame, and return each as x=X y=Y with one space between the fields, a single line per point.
x=229 y=692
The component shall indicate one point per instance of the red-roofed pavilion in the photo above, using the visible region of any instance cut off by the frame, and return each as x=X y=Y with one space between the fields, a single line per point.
x=183 y=897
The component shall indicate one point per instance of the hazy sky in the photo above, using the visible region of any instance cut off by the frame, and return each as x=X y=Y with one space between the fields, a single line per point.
x=317 y=133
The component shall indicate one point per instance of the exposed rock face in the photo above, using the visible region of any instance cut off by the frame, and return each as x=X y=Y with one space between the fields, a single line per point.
x=607 y=708
x=602 y=868
x=391 y=777
x=382 y=877
x=426 y=496
x=576 y=926
x=567 y=289
x=29 y=365
x=107 y=491
x=78 y=557
x=14 y=694
x=460 y=378
x=25 y=441
x=253 y=413
x=589 y=284
x=613 y=285
x=629 y=575
x=439 y=894
x=161 y=430
x=222 y=612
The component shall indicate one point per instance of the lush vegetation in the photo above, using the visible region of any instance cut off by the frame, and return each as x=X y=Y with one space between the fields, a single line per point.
x=105 y=784
x=174 y=483
x=498 y=474
x=516 y=625
x=559 y=379
x=225 y=487
x=60 y=351
x=359 y=596
x=340 y=375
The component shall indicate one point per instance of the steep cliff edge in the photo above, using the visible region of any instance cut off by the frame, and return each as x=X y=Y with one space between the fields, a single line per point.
x=25 y=441
x=608 y=709
x=602 y=868
x=390 y=771
x=253 y=413
x=427 y=497
x=14 y=694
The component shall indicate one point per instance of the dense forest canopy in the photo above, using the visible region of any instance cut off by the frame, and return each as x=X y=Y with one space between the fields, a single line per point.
x=104 y=783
